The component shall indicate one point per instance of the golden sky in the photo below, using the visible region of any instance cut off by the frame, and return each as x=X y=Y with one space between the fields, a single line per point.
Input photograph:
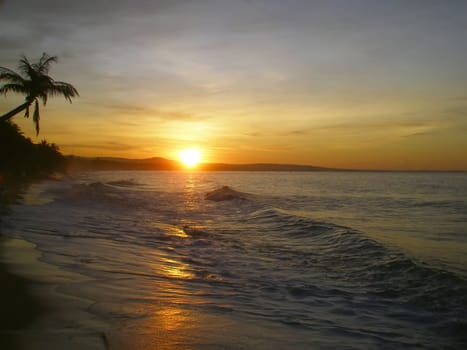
x=346 y=84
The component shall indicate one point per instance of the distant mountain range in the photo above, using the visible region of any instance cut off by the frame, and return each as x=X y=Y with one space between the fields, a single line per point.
x=260 y=167
x=158 y=163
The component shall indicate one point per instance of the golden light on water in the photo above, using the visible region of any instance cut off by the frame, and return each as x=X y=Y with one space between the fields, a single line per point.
x=175 y=269
x=190 y=157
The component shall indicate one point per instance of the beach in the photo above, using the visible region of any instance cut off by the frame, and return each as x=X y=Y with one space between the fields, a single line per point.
x=142 y=260
x=233 y=175
x=19 y=306
x=33 y=310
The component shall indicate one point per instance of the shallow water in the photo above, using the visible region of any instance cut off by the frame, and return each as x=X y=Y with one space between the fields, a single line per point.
x=306 y=260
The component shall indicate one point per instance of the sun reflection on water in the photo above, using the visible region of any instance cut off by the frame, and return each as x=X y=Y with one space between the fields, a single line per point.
x=167 y=322
x=191 y=199
x=168 y=327
x=170 y=320
x=175 y=269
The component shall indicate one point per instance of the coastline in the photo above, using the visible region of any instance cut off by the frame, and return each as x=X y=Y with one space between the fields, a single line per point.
x=20 y=307
x=152 y=297
x=35 y=313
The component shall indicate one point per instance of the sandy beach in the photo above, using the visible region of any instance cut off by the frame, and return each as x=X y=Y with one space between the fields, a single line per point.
x=20 y=308
x=141 y=260
x=35 y=315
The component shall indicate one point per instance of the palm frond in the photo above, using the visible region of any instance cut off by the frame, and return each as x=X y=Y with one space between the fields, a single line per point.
x=11 y=76
x=34 y=82
x=44 y=97
x=36 y=117
x=17 y=88
x=62 y=88
x=42 y=67
x=26 y=114
x=26 y=68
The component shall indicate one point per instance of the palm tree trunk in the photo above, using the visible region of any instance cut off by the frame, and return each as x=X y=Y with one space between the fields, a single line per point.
x=15 y=111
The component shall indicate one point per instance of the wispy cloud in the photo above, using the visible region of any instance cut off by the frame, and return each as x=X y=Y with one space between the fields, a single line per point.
x=298 y=132
x=277 y=74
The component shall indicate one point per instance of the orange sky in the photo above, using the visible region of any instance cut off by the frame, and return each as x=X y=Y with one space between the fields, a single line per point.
x=358 y=84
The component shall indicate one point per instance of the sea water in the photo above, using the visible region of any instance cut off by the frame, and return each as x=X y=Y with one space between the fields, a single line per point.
x=315 y=260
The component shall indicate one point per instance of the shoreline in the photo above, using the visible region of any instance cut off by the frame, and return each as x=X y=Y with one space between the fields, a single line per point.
x=20 y=307
x=35 y=313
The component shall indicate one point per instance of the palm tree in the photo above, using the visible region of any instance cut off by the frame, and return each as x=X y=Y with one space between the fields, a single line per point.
x=34 y=82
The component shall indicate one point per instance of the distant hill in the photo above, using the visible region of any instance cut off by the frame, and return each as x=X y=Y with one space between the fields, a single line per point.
x=158 y=163
x=107 y=163
x=259 y=167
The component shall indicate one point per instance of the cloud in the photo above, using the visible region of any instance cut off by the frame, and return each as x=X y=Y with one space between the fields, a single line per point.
x=462 y=98
x=119 y=107
x=302 y=48
x=253 y=134
x=265 y=70
x=143 y=112
x=455 y=112
x=298 y=132
x=181 y=116
x=109 y=145
x=93 y=8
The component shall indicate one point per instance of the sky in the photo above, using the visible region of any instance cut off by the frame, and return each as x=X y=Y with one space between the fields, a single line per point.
x=344 y=84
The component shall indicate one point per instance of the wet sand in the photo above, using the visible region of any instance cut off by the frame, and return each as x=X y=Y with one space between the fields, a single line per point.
x=34 y=314
x=20 y=308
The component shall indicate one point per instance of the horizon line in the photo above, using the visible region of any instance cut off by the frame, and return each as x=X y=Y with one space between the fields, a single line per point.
x=316 y=167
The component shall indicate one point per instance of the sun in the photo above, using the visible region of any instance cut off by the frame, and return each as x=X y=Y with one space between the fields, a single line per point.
x=190 y=157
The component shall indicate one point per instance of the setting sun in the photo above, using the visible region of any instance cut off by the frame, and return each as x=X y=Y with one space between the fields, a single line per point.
x=190 y=157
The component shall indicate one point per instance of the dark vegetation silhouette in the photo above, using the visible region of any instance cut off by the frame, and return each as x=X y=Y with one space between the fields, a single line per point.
x=34 y=82
x=20 y=158
x=20 y=162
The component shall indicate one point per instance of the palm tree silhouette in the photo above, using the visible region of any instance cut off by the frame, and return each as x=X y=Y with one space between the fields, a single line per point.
x=34 y=82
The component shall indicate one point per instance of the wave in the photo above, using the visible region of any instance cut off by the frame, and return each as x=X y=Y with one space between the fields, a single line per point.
x=224 y=193
x=253 y=252
x=383 y=271
x=124 y=183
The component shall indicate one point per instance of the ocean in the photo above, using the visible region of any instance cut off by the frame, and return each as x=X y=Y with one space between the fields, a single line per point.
x=313 y=260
